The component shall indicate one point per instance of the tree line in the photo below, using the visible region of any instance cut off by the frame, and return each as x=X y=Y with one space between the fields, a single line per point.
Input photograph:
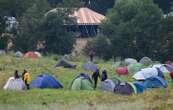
x=133 y=28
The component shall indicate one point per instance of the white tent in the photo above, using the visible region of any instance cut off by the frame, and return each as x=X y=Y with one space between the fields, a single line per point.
x=145 y=73
x=14 y=84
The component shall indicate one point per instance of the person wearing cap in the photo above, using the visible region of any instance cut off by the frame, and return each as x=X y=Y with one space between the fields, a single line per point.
x=104 y=75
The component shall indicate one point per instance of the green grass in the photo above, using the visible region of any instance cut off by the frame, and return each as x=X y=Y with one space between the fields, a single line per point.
x=65 y=99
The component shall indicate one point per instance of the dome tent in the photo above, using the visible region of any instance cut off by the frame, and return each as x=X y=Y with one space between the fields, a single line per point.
x=145 y=73
x=124 y=88
x=155 y=82
x=107 y=85
x=45 y=81
x=82 y=82
x=146 y=61
x=135 y=67
x=129 y=61
x=14 y=84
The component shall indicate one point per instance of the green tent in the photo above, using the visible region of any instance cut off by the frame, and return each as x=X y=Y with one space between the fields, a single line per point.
x=81 y=84
x=133 y=68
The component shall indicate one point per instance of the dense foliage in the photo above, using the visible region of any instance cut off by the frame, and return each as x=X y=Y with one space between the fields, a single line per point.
x=136 y=29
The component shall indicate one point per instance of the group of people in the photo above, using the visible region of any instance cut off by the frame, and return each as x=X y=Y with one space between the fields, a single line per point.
x=25 y=77
x=96 y=76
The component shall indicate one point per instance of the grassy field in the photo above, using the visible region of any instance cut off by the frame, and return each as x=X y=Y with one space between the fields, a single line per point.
x=65 y=99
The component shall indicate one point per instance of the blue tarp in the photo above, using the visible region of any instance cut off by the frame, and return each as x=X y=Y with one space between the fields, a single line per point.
x=45 y=81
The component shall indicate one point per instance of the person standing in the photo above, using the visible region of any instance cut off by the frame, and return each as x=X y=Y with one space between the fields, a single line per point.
x=91 y=56
x=104 y=75
x=95 y=77
x=26 y=78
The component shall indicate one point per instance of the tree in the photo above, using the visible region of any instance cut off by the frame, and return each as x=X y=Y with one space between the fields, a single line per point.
x=165 y=5
x=132 y=27
x=29 y=26
x=55 y=36
x=100 y=6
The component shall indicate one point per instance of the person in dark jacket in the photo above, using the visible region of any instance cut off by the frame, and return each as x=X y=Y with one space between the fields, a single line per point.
x=104 y=75
x=16 y=74
x=95 y=77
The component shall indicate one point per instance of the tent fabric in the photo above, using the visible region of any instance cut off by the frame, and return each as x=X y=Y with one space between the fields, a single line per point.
x=116 y=65
x=116 y=80
x=18 y=54
x=129 y=61
x=89 y=66
x=145 y=61
x=161 y=67
x=121 y=70
x=145 y=73
x=135 y=67
x=30 y=54
x=64 y=63
x=107 y=85
x=38 y=54
x=14 y=84
x=139 y=87
x=81 y=82
x=169 y=67
x=124 y=88
x=45 y=81
x=155 y=82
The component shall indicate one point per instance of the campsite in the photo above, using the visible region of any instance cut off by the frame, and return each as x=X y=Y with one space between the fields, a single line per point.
x=86 y=54
x=65 y=98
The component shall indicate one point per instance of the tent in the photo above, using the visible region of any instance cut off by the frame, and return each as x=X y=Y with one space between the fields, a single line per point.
x=2 y=52
x=82 y=82
x=30 y=54
x=145 y=73
x=14 y=84
x=129 y=61
x=116 y=80
x=146 y=61
x=45 y=81
x=107 y=85
x=18 y=54
x=38 y=54
x=135 y=67
x=169 y=67
x=161 y=67
x=155 y=82
x=121 y=70
x=89 y=66
x=139 y=86
x=124 y=88
x=64 y=63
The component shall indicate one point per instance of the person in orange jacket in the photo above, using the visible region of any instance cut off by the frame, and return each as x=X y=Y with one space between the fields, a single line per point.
x=26 y=78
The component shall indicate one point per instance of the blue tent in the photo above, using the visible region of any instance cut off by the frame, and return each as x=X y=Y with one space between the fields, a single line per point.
x=155 y=82
x=139 y=86
x=45 y=81
x=89 y=66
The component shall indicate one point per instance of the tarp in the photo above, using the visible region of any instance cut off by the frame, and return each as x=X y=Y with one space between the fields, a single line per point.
x=45 y=81
x=64 y=63
x=145 y=73
x=155 y=82
x=81 y=82
x=169 y=67
x=14 y=84
x=89 y=66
